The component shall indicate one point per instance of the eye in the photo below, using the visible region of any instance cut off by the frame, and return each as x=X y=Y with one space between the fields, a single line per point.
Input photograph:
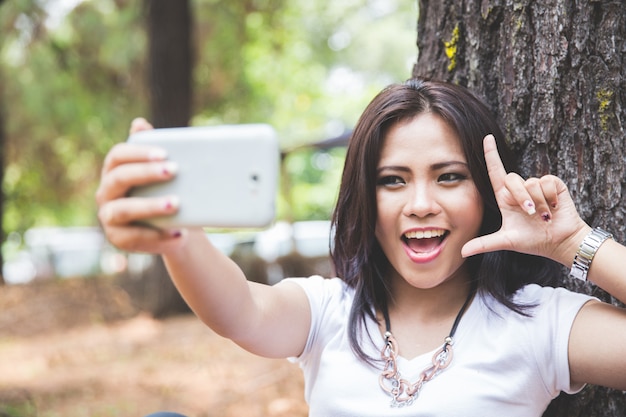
x=390 y=180
x=451 y=177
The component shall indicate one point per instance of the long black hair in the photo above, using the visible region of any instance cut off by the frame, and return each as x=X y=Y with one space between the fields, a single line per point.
x=356 y=254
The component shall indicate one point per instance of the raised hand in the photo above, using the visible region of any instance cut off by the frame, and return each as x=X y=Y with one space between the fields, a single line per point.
x=538 y=214
x=126 y=166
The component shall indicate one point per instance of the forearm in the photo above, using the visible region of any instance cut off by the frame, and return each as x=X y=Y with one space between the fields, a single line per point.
x=607 y=267
x=246 y=312
x=213 y=286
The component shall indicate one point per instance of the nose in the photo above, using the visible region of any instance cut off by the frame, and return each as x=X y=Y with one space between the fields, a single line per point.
x=421 y=201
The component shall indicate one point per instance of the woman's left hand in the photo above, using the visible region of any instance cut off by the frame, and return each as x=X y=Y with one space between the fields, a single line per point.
x=538 y=214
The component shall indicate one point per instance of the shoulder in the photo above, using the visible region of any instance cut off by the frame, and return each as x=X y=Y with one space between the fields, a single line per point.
x=318 y=285
x=539 y=298
x=550 y=297
x=545 y=309
x=325 y=294
x=541 y=336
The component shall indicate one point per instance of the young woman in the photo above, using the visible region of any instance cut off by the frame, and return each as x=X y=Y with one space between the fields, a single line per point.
x=443 y=304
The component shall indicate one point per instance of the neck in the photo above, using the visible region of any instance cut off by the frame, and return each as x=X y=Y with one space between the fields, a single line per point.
x=429 y=304
x=420 y=320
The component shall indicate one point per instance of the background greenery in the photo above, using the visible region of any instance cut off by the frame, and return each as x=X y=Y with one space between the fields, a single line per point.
x=75 y=78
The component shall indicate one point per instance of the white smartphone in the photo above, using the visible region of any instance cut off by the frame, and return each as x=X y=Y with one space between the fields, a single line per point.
x=227 y=175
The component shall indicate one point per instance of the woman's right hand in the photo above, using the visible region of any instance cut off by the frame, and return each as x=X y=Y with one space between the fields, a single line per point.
x=126 y=166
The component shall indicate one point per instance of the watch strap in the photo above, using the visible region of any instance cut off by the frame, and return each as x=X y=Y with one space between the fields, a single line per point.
x=586 y=251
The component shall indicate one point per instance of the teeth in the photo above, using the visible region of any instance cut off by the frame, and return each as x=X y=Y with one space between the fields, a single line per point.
x=424 y=234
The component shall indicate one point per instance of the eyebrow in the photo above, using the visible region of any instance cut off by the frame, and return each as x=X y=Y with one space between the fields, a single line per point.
x=434 y=167
x=446 y=164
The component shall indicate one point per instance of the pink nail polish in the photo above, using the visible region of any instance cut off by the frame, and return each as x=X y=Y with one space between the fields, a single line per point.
x=170 y=168
x=177 y=233
x=171 y=203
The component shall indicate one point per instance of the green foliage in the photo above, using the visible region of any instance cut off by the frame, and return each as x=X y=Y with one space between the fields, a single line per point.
x=17 y=403
x=314 y=177
x=17 y=411
x=278 y=62
x=73 y=87
x=308 y=68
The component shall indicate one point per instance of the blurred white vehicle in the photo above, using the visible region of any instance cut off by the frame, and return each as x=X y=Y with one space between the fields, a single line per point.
x=308 y=238
x=62 y=252
x=295 y=249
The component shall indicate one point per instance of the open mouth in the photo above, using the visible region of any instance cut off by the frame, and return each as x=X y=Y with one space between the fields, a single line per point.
x=424 y=241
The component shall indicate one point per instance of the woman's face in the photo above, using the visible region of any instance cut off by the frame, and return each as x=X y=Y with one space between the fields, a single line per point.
x=428 y=206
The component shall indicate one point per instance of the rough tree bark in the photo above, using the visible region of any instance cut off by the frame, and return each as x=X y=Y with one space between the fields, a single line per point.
x=554 y=72
x=170 y=65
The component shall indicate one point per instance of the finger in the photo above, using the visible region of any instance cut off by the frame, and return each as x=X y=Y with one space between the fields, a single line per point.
x=144 y=239
x=495 y=167
x=488 y=243
x=138 y=124
x=124 y=211
x=124 y=153
x=537 y=194
x=118 y=182
x=551 y=186
x=517 y=188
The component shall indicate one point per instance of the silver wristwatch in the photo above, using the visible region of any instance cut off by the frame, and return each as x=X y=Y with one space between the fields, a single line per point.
x=587 y=250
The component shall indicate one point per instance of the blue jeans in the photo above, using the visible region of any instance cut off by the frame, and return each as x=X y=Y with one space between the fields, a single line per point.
x=165 y=414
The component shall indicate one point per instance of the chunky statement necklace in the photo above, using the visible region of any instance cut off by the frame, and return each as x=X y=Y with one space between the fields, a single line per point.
x=402 y=391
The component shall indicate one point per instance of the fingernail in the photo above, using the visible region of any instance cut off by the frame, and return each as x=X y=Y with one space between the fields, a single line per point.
x=170 y=168
x=530 y=207
x=172 y=203
x=136 y=122
x=177 y=233
x=546 y=217
x=157 y=154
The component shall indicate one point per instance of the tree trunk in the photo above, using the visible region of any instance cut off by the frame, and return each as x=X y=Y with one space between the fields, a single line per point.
x=554 y=73
x=2 y=166
x=170 y=62
x=169 y=80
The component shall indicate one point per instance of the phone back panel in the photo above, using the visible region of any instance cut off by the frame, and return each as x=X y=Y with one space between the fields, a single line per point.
x=227 y=175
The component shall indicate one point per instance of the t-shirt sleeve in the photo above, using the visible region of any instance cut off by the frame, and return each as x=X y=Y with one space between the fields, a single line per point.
x=557 y=309
x=324 y=295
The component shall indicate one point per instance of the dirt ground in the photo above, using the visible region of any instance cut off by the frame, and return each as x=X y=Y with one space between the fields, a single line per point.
x=77 y=348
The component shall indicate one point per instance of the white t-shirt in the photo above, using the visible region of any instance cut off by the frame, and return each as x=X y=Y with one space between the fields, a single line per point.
x=504 y=364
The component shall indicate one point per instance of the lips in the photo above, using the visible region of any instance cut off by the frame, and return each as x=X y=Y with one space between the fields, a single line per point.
x=424 y=241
